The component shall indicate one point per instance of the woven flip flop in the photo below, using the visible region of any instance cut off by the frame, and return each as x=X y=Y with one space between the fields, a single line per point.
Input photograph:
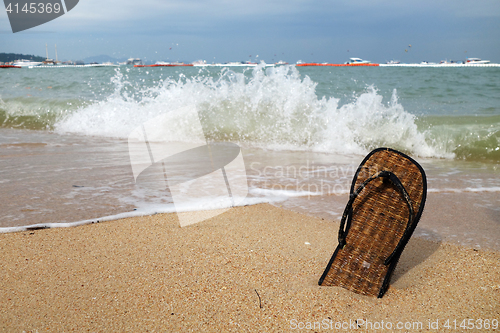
x=387 y=199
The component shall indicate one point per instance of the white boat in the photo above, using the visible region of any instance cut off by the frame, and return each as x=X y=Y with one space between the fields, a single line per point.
x=200 y=63
x=134 y=61
x=26 y=63
x=357 y=61
x=477 y=61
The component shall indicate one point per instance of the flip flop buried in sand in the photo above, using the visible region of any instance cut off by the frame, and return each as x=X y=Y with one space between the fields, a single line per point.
x=387 y=198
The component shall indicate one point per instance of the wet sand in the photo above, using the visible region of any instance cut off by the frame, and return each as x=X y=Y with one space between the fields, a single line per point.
x=252 y=268
x=51 y=178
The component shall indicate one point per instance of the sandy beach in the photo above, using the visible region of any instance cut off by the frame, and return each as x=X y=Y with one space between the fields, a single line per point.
x=95 y=162
x=253 y=268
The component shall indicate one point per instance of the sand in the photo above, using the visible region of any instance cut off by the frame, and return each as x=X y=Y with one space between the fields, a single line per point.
x=251 y=269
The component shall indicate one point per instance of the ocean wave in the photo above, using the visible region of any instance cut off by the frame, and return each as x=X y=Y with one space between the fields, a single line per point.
x=272 y=108
x=35 y=113
x=474 y=138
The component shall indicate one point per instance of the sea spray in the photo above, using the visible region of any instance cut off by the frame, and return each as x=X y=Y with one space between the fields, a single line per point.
x=277 y=108
x=271 y=108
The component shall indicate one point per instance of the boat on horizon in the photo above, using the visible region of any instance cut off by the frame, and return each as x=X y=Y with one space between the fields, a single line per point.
x=356 y=61
x=280 y=63
x=26 y=63
x=9 y=66
x=134 y=61
x=477 y=61
x=49 y=62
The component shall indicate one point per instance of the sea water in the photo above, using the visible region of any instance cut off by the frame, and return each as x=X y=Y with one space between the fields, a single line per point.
x=65 y=153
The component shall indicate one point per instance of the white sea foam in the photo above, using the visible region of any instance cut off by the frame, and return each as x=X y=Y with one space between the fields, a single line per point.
x=144 y=209
x=272 y=108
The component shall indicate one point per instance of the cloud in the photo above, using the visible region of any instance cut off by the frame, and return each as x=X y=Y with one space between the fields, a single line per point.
x=198 y=16
x=133 y=11
x=321 y=30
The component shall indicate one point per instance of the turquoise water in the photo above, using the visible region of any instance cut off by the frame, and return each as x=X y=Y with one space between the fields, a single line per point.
x=430 y=112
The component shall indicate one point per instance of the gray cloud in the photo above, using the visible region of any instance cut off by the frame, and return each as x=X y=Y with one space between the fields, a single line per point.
x=296 y=29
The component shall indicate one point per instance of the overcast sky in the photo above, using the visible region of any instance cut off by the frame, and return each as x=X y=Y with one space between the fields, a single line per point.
x=290 y=30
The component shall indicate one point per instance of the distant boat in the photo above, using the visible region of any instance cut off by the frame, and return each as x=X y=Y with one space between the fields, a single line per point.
x=49 y=62
x=134 y=61
x=355 y=61
x=199 y=63
x=451 y=62
x=393 y=62
x=26 y=63
x=477 y=61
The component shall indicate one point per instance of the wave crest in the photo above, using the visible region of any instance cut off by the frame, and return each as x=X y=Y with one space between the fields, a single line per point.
x=274 y=108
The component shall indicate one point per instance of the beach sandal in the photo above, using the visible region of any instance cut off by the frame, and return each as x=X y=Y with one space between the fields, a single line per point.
x=387 y=199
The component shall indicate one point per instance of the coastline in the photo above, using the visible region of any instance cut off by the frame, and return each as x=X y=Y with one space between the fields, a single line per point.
x=253 y=268
x=93 y=182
